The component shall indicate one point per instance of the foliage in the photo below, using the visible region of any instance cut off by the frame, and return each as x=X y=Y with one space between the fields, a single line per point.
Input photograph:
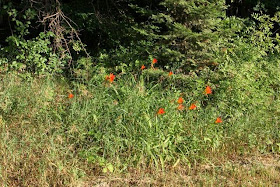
x=32 y=55
x=35 y=56
x=119 y=111
x=41 y=40
x=182 y=34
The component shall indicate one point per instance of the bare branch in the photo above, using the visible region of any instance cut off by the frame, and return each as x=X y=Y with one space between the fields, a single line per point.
x=54 y=20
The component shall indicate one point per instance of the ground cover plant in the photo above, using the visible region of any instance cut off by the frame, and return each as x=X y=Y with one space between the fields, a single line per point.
x=180 y=94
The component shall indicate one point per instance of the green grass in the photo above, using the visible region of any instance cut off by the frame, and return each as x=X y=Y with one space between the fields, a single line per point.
x=113 y=130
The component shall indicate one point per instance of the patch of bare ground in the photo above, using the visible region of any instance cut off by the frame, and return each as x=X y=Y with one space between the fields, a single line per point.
x=257 y=170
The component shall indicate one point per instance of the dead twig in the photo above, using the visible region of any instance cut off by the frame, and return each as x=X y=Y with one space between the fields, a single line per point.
x=54 y=20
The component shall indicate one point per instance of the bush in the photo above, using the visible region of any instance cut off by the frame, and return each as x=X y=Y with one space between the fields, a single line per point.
x=34 y=56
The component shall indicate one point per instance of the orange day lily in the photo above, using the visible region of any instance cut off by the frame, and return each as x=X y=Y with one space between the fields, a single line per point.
x=110 y=78
x=143 y=67
x=219 y=120
x=70 y=96
x=180 y=107
x=170 y=73
x=192 y=107
x=154 y=60
x=161 y=111
x=180 y=100
x=208 y=90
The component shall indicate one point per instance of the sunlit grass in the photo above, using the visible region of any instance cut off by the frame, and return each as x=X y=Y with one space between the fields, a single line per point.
x=51 y=138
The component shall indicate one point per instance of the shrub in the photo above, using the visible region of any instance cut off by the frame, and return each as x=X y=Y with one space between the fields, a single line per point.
x=35 y=55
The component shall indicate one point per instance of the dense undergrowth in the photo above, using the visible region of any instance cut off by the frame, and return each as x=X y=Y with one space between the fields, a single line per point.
x=48 y=137
x=176 y=88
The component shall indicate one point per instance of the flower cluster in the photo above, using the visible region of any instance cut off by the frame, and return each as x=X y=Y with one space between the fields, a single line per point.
x=181 y=106
x=111 y=77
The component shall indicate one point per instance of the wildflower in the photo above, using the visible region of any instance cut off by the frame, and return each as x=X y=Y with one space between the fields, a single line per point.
x=170 y=73
x=161 y=111
x=219 y=120
x=192 y=107
x=143 y=67
x=70 y=96
x=154 y=60
x=180 y=100
x=208 y=90
x=110 y=78
x=180 y=107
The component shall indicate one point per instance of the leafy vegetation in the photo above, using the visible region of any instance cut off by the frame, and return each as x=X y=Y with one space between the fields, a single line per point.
x=152 y=93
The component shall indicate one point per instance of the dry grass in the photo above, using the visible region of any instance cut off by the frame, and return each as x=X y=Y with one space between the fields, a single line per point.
x=261 y=170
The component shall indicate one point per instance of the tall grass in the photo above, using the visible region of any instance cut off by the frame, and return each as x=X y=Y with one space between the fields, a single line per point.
x=50 y=139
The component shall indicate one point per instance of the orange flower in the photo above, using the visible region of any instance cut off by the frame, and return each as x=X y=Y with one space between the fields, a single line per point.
x=161 y=111
x=154 y=60
x=143 y=67
x=180 y=107
x=192 y=107
x=219 y=120
x=170 y=73
x=70 y=96
x=180 y=100
x=110 y=78
x=208 y=90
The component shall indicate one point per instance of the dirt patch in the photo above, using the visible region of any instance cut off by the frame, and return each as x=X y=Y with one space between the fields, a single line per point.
x=257 y=170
